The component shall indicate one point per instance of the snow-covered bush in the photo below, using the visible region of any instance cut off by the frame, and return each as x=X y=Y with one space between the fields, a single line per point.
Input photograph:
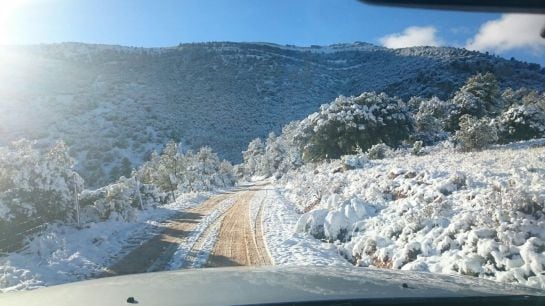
x=281 y=153
x=523 y=120
x=417 y=148
x=342 y=126
x=205 y=172
x=276 y=156
x=355 y=161
x=475 y=134
x=174 y=171
x=157 y=182
x=480 y=214
x=379 y=151
x=37 y=186
x=119 y=200
x=313 y=223
x=514 y=97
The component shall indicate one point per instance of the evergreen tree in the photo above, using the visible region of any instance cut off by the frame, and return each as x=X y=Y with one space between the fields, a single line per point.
x=475 y=134
x=524 y=119
x=479 y=97
x=341 y=127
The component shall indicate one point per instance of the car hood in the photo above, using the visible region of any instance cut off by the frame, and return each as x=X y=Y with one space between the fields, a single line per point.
x=257 y=285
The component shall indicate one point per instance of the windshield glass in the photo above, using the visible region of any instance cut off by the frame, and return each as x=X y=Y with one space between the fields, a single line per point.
x=142 y=136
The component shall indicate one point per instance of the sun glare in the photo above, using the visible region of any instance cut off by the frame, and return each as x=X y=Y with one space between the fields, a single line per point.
x=8 y=12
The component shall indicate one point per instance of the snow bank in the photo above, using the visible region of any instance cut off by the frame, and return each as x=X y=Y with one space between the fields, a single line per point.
x=479 y=214
x=63 y=253
x=286 y=247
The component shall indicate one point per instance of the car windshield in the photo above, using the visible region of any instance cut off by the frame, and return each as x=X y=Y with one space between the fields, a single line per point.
x=141 y=136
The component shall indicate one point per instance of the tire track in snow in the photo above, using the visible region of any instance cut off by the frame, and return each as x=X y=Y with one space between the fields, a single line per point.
x=239 y=244
x=155 y=254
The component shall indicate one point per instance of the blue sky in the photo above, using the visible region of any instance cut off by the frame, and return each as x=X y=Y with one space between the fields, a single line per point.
x=302 y=22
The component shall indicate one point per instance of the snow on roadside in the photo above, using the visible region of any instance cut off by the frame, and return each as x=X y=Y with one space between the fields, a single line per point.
x=479 y=214
x=63 y=253
x=179 y=256
x=207 y=248
x=286 y=247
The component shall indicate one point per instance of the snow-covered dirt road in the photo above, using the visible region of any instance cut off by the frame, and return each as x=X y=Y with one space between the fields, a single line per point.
x=238 y=243
x=216 y=233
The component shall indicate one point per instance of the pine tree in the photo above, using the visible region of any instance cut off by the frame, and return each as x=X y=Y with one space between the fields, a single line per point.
x=475 y=134
x=479 y=97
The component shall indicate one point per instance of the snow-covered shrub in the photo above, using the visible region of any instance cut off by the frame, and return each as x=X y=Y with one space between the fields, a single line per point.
x=342 y=126
x=276 y=156
x=506 y=202
x=475 y=134
x=37 y=186
x=336 y=222
x=174 y=171
x=119 y=200
x=205 y=172
x=479 y=214
x=524 y=120
x=514 y=97
x=355 y=161
x=281 y=153
x=336 y=226
x=379 y=151
x=313 y=223
x=417 y=148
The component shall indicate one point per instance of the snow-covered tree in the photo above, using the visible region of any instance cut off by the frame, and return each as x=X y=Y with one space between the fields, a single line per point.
x=120 y=200
x=169 y=169
x=479 y=97
x=428 y=120
x=524 y=119
x=174 y=171
x=37 y=185
x=475 y=134
x=205 y=168
x=227 y=173
x=342 y=126
x=38 y=181
x=253 y=157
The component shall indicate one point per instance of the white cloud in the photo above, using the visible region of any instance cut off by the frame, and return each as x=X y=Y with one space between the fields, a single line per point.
x=411 y=37
x=510 y=31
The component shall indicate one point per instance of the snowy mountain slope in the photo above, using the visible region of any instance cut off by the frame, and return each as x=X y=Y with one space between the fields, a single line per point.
x=113 y=105
x=478 y=213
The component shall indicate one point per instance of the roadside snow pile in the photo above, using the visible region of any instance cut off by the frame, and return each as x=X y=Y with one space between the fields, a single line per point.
x=286 y=247
x=479 y=214
x=63 y=253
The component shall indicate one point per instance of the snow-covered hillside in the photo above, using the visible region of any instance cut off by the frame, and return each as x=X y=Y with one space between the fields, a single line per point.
x=475 y=213
x=113 y=105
